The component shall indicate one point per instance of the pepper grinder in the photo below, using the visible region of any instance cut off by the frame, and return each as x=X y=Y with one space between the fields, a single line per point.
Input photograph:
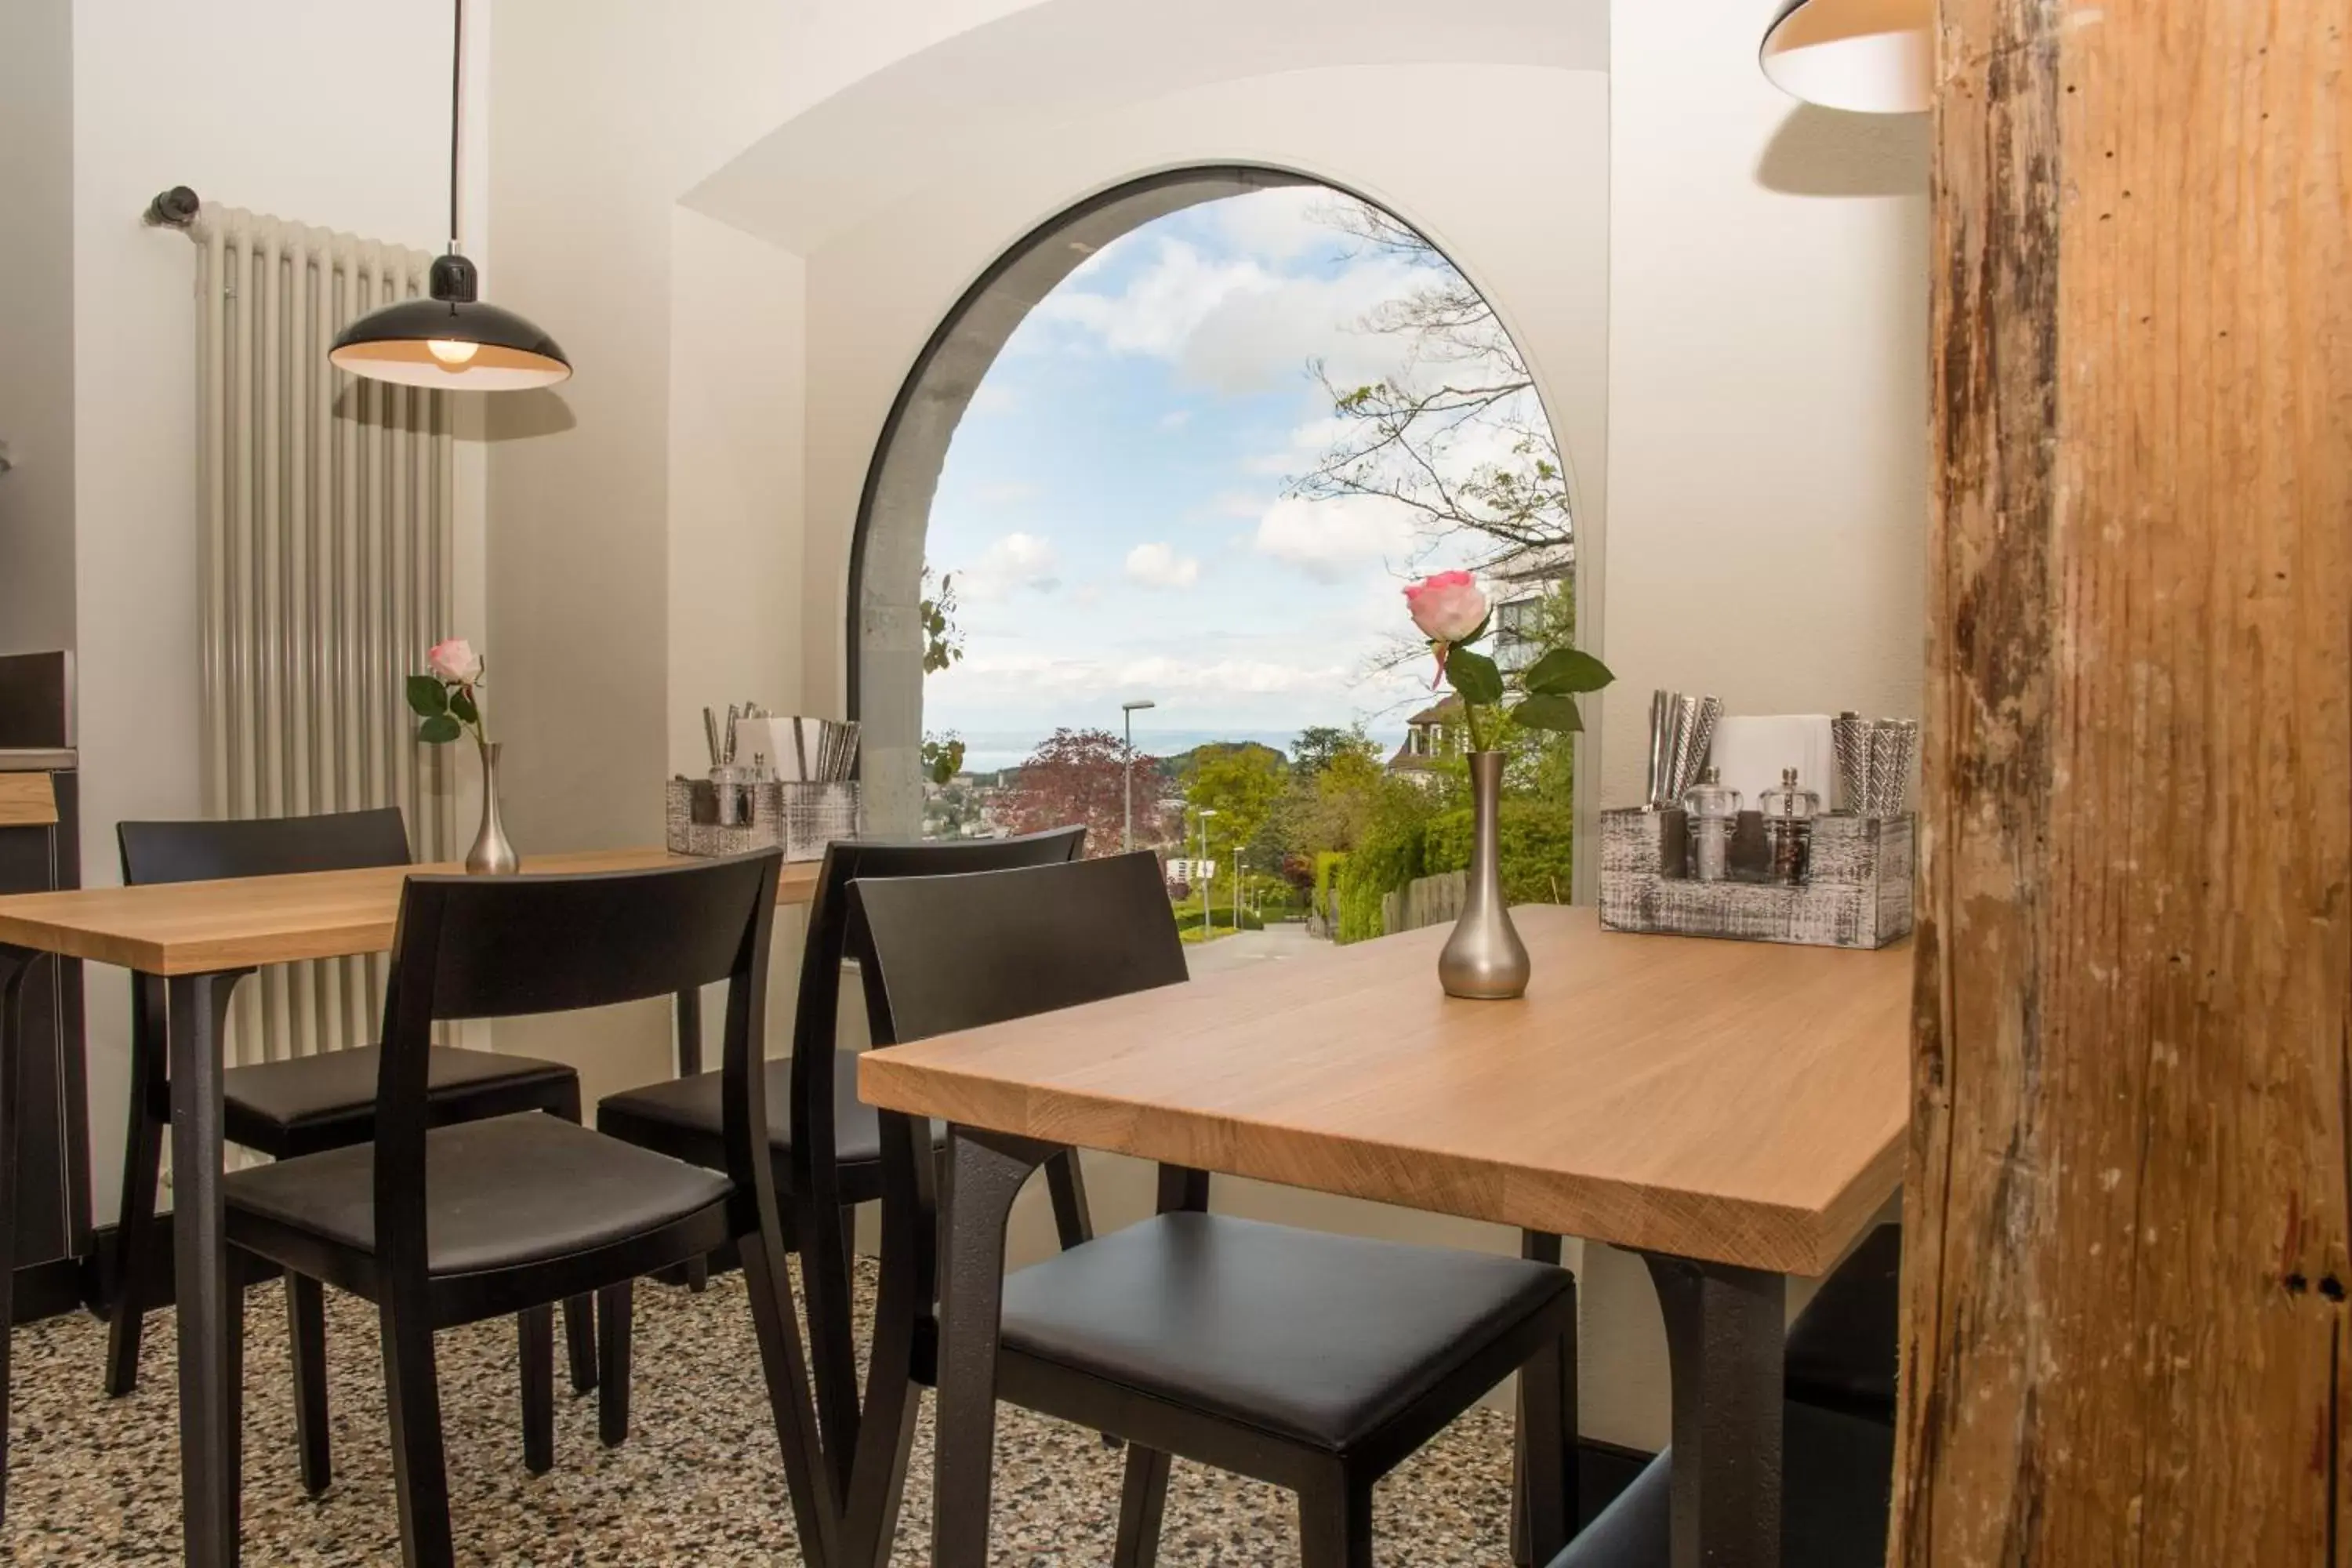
x=1712 y=810
x=1789 y=812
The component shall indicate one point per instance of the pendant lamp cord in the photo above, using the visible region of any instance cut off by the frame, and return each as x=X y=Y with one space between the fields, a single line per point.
x=456 y=103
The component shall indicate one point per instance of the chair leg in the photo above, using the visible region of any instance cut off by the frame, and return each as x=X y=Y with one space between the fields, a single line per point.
x=535 y=1340
x=1142 y=1503
x=1335 y=1524
x=233 y=1395
x=420 y=1471
x=306 y=1331
x=142 y=1169
x=613 y=1308
x=1547 y=1451
x=580 y=1341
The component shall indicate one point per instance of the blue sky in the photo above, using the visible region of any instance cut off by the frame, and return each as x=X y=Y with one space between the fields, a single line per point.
x=1112 y=504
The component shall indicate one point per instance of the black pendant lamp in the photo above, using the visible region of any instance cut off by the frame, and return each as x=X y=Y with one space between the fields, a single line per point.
x=1871 y=56
x=451 y=340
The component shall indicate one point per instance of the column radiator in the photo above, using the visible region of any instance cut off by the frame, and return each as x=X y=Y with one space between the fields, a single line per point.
x=325 y=503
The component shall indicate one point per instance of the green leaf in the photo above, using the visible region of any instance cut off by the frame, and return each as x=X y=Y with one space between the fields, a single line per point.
x=1564 y=670
x=438 y=729
x=461 y=706
x=1548 y=711
x=427 y=696
x=1474 y=676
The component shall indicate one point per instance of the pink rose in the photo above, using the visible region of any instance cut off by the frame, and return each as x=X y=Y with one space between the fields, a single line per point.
x=1447 y=607
x=454 y=662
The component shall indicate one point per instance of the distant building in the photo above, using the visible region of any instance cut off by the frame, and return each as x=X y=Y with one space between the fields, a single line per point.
x=1520 y=590
x=1430 y=736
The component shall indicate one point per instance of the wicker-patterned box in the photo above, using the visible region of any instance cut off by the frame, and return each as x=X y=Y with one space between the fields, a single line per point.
x=704 y=818
x=1858 y=893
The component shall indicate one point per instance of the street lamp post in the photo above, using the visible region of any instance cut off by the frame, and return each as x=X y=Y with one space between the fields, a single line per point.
x=1237 y=890
x=1129 y=710
x=1206 y=813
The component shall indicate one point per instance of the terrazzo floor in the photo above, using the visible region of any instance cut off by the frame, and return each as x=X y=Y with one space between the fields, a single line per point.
x=94 y=1481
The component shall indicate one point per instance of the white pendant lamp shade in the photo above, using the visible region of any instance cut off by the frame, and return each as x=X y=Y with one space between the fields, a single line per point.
x=1871 y=56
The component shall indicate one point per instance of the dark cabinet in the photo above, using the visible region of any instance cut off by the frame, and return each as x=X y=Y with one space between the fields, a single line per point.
x=52 y=1176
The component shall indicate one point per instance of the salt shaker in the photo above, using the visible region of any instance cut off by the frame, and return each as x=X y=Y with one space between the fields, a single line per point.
x=1789 y=812
x=1712 y=811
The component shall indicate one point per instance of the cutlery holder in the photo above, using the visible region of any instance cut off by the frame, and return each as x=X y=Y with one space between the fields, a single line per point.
x=1857 y=893
x=706 y=818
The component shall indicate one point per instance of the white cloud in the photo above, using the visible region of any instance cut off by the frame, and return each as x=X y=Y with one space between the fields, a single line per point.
x=1009 y=494
x=1046 y=674
x=1246 y=504
x=1015 y=562
x=1155 y=565
x=1280 y=223
x=1162 y=305
x=1176 y=419
x=993 y=397
x=1332 y=540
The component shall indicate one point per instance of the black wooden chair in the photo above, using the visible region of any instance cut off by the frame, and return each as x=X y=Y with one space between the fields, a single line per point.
x=1837 y=1435
x=1313 y=1362
x=443 y=1224
x=299 y=1106
x=825 y=1143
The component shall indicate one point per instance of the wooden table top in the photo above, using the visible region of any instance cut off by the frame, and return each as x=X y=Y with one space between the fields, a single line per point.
x=194 y=928
x=1739 y=1102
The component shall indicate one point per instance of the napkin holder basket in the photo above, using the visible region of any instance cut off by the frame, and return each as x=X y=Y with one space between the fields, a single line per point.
x=1856 y=894
x=704 y=818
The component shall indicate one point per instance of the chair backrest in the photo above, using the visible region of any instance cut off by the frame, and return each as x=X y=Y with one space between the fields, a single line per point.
x=261 y=847
x=941 y=953
x=489 y=947
x=818 y=1015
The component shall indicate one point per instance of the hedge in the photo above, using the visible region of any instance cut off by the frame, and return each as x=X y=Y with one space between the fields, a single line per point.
x=1221 y=919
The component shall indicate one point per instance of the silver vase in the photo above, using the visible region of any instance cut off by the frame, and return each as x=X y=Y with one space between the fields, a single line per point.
x=1484 y=959
x=492 y=855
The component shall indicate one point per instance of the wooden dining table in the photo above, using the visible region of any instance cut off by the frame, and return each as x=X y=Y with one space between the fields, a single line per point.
x=201 y=938
x=1734 y=1112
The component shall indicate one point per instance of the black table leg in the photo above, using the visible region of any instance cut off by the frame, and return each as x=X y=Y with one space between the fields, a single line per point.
x=16 y=963
x=198 y=1012
x=1726 y=1328
x=985 y=1171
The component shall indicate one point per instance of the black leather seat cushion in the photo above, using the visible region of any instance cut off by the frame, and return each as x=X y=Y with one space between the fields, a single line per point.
x=1841 y=1349
x=1316 y=1339
x=683 y=1117
x=1838 y=1484
x=506 y=1191
x=331 y=1097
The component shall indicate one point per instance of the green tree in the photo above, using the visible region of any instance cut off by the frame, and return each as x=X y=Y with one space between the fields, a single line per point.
x=1319 y=745
x=1241 y=786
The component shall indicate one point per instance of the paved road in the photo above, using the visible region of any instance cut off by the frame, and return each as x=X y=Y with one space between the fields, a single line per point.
x=1245 y=948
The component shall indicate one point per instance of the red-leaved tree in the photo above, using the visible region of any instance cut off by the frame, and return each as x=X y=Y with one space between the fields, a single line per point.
x=1080 y=776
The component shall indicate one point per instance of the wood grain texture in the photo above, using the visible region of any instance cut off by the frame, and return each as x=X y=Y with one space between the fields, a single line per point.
x=193 y=928
x=27 y=800
x=2129 y=1189
x=1725 y=1100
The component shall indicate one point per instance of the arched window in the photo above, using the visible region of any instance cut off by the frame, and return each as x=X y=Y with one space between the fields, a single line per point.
x=1181 y=447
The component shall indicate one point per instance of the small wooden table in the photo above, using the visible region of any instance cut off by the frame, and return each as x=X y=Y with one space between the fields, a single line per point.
x=202 y=937
x=1733 y=1111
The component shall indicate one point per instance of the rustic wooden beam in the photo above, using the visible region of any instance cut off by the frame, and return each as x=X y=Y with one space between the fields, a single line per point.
x=2127 y=1265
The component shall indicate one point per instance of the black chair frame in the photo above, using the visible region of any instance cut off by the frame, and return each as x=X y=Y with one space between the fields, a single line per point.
x=1334 y=1491
x=155 y=852
x=471 y=948
x=818 y=1192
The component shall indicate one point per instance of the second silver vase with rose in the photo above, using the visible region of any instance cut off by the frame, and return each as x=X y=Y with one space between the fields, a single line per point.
x=1484 y=959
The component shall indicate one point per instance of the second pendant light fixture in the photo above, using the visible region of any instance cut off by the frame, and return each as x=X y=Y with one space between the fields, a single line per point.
x=451 y=339
x=1872 y=56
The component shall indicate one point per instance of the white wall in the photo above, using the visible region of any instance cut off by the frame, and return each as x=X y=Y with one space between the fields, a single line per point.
x=231 y=99
x=1768 y=393
x=36 y=370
